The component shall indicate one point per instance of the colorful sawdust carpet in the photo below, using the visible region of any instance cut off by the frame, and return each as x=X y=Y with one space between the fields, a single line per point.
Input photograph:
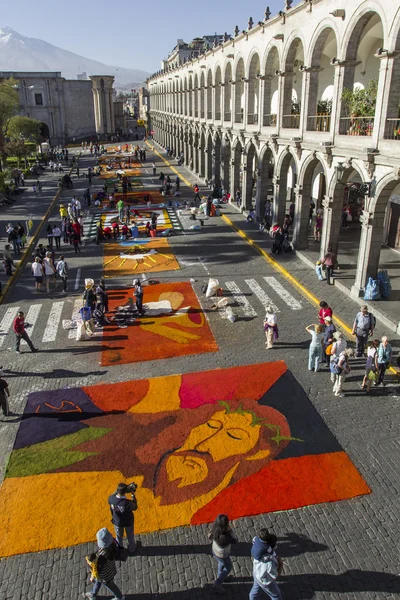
x=173 y=325
x=242 y=441
x=134 y=257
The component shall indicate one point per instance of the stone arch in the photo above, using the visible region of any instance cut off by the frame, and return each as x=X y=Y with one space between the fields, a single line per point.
x=286 y=173
x=202 y=95
x=271 y=64
x=239 y=90
x=44 y=131
x=209 y=94
x=202 y=154
x=393 y=97
x=218 y=81
x=228 y=92
x=226 y=163
x=265 y=189
x=253 y=88
x=250 y=174
x=314 y=166
x=293 y=82
x=323 y=48
x=196 y=95
x=364 y=35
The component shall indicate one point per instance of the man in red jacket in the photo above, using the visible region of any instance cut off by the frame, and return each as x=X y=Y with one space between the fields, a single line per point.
x=20 y=333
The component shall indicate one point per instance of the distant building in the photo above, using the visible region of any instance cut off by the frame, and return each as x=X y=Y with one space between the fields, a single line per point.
x=183 y=51
x=68 y=109
x=82 y=76
x=144 y=104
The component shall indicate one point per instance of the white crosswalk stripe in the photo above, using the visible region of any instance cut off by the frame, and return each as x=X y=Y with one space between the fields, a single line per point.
x=261 y=295
x=50 y=332
x=75 y=317
x=240 y=299
x=6 y=322
x=283 y=293
x=30 y=318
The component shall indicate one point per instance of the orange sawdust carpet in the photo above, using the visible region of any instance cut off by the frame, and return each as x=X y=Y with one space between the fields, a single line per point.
x=127 y=171
x=136 y=257
x=242 y=441
x=173 y=325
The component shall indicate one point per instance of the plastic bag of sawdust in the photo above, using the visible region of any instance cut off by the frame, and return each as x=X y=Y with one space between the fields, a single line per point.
x=222 y=303
x=81 y=332
x=69 y=324
x=212 y=287
x=230 y=315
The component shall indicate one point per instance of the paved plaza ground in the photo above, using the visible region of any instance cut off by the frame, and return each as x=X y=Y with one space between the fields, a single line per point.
x=330 y=493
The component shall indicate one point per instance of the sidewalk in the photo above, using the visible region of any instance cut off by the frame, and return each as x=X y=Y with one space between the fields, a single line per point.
x=301 y=264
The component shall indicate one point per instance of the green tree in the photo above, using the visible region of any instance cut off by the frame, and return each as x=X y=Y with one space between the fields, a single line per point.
x=9 y=102
x=361 y=102
x=19 y=149
x=23 y=128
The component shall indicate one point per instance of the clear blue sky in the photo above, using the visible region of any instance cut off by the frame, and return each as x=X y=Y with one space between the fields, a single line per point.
x=128 y=34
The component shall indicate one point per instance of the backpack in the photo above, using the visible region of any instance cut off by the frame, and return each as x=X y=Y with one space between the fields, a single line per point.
x=266 y=569
x=334 y=366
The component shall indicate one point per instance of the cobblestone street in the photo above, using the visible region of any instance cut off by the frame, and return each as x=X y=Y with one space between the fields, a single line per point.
x=334 y=550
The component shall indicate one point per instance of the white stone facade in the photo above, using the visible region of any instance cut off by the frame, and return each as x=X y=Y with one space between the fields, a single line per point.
x=252 y=114
x=68 y=109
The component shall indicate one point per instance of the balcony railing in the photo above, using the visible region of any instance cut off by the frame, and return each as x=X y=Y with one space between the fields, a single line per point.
x=269 y=120
x=252 y=119
x=227 y=116
x=356 y=126
x=321 y=122
x=217 y=116
x=238 y=117
x=392 y=129
x=291 y=121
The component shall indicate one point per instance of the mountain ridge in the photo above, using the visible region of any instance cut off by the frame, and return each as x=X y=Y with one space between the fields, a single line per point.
x=21 y=53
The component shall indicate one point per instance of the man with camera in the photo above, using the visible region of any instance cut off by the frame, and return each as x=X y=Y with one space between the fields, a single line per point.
x=122 y=510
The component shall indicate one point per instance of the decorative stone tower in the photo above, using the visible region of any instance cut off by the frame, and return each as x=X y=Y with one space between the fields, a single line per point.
x=102 y=86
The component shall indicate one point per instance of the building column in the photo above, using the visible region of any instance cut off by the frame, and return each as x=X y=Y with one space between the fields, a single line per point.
x=301 y=220
x=330 y=224
x=247 y=183
x=102 y=86
x=279 y=210
x=388 y=89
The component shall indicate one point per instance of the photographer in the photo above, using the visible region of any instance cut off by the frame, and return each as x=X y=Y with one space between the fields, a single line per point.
x=122 y=514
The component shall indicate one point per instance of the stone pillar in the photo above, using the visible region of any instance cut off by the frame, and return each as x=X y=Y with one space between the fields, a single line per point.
x=102 y=86
x=235 y=172
x=301 y=220
x=388 y=95
x=247 y=183
x=279 y=208
x=331 y=224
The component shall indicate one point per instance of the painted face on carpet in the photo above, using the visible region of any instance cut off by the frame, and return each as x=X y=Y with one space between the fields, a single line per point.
x=173 y=325
x=134 y=257
x=240 y=441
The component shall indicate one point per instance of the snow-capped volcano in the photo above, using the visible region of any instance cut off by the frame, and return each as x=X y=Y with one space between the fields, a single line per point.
x=20 y=53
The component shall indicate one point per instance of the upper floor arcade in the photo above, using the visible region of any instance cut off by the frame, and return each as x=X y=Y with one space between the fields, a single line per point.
x=314 y=72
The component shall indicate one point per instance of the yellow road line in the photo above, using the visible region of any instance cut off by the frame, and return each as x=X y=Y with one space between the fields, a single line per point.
x=181 y=177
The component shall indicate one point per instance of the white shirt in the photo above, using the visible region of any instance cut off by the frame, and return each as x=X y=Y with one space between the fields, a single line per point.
x=339 y=346
x=37 y=269
x=271 y=319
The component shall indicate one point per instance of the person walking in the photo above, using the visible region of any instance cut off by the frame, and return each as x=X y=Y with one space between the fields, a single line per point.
x=8 y=259
x=363 y=328
x=384 y=357
x=324 y=311
x=340 y=367
x=123 y=519
x=267 y=567
x=270 y=327
x=37 y=272
x=76 y=238
x=222 y=538
x=4 y=396
x=57 y=236
x=13 y=237
x=371 y=366
x=153 y=166
x=315 y=350
x=49 y=234
x=138 y=293
x=328 y=340
x=62 y=270
x=20 y=333
x=121 y=207
x=103 y=566
x=329 y=262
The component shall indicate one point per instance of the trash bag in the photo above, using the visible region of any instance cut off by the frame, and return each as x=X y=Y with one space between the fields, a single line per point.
x=69 y=324
x=212 y=287
x=385 y=287
x=372 y=290
x=195 y=227
x=230 y=315
x=81 y=333
x=222 y=302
